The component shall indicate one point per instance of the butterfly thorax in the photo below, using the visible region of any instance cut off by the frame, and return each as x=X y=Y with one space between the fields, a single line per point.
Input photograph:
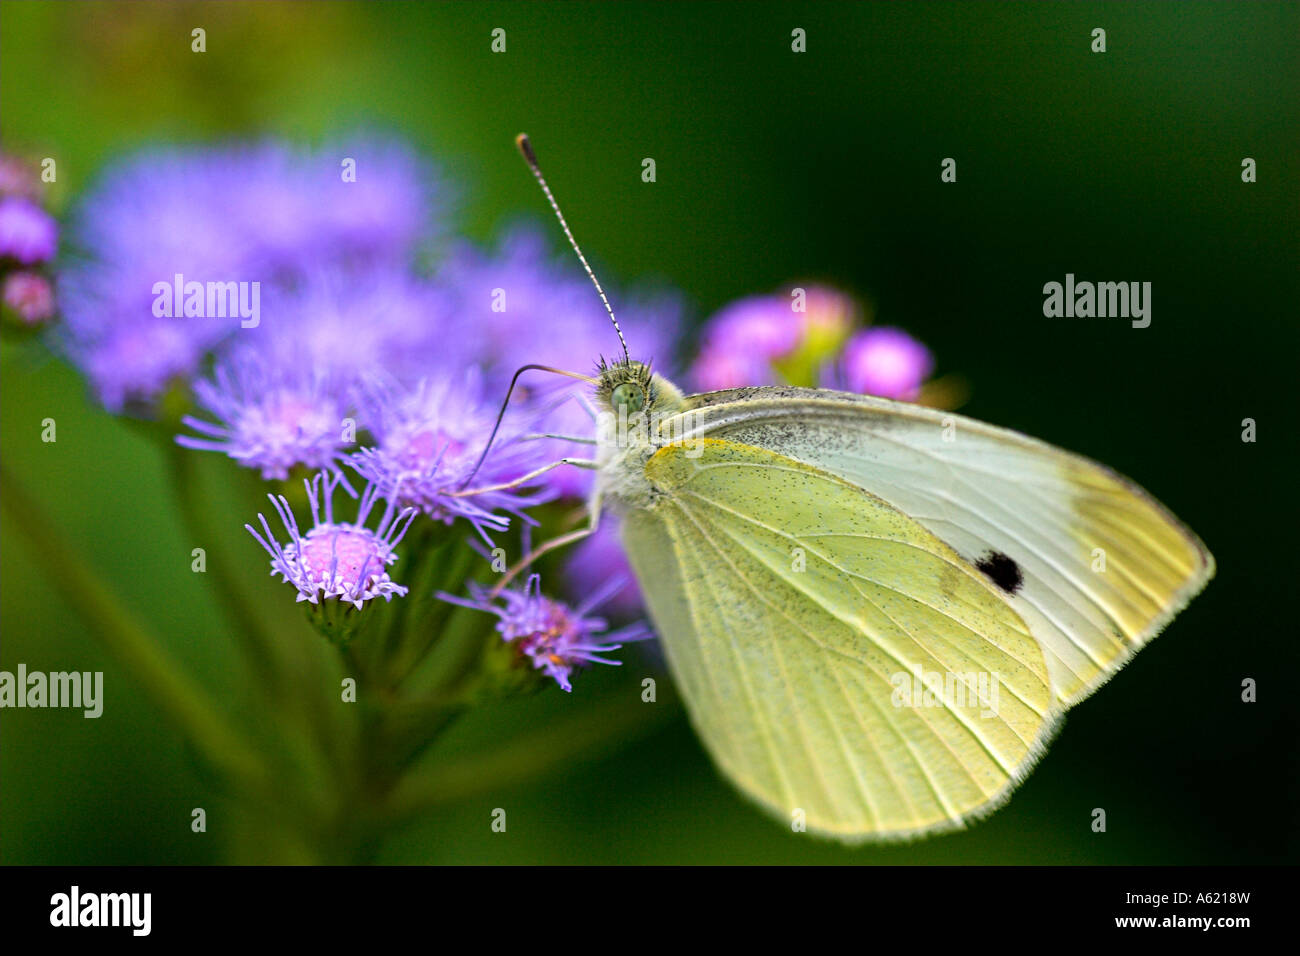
x=632 y=404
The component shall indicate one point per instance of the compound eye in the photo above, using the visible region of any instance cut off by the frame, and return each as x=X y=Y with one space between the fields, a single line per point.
x=628 y=395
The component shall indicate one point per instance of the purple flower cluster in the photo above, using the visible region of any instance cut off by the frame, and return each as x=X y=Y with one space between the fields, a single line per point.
x=308 y=303
x=267 y=216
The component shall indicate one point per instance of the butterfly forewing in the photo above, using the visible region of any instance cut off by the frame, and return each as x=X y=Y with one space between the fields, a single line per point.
x=1092 y=564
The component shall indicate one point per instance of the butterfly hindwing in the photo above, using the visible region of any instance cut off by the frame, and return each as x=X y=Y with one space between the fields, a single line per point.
x=838 y=659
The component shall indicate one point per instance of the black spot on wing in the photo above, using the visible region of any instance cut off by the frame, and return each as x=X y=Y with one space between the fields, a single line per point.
x=1001 y=570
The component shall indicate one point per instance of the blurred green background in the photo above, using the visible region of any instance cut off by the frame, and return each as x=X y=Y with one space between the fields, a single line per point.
x=772 y=166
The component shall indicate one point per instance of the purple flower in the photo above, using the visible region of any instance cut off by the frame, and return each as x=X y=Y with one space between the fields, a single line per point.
x=272 y=204
x=18 y=177
x=428 y=439
x=354 y=323
x=30 y=295
x=763 y=325
x=518 y=302
x=557 y=638
x=135 y=362
x=598 y=561
x=157 y=215
x=271 y=415
x=358 y=197
x=28 y=234
x=524 y=305
x=715 y=370
x=340 y=560
x=746 y=341
x=886 y=362
x=741 y=341
x=264 y=214
x=165 y=211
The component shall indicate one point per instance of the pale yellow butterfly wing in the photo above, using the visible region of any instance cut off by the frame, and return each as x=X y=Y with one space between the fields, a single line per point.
x=789 y=602
x=1104 y=565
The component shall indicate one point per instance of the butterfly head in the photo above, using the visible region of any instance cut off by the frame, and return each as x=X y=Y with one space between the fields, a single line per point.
x=628 y=389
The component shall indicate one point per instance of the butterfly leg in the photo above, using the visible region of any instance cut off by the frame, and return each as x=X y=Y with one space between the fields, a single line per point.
x=576 y=462
x=593 y=521
x=587 y=407
x=572 y=438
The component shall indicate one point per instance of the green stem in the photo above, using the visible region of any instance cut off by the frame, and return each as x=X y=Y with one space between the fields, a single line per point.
x=423 y=551
x=184 y=701
x=425 y=626
x=255 y=640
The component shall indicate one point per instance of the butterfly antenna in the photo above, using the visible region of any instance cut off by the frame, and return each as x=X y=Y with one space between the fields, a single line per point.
x=526 y=148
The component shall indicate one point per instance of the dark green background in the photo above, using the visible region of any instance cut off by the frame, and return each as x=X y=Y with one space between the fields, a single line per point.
x=772 y=166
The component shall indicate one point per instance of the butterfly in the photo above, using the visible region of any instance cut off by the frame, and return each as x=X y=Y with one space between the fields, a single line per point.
x=876 y=613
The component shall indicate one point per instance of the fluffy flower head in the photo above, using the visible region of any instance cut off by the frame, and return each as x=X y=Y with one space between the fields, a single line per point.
x=555 y=637
x=345 y=561
x=270 y=415
x=887 y=362
x=429 y=439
